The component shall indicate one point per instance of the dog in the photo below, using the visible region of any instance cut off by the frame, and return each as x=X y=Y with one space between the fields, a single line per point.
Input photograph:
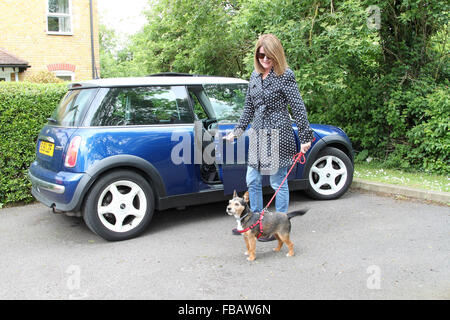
x=273 y=223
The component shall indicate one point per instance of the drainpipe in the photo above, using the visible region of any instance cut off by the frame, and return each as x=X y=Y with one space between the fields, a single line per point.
x=94 y=70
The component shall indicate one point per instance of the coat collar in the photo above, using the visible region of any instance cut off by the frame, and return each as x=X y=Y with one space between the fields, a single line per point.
x=268 y=80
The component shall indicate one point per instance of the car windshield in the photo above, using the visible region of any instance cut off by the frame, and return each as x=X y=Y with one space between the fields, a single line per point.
x=72 y=107
x=227 y=101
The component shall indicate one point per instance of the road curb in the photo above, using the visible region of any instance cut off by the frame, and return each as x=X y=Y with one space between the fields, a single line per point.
x=436 y=196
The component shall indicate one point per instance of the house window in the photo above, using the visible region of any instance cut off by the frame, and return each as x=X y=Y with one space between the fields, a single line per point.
x=64 y=75
x=63 y=70
x=5 y=74
x=59 y=17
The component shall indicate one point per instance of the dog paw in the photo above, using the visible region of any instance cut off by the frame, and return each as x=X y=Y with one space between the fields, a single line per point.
x=276 y=249
x=246 y=253
x=251 y=258
x=290 y=254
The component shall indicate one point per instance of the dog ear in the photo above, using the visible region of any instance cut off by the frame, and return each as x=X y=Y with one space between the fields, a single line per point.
x=235 y=194
x=246 y=198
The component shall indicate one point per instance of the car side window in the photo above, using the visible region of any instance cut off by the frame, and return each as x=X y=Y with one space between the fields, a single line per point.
x=143 y=106
x=226 y=101
x=198 y=109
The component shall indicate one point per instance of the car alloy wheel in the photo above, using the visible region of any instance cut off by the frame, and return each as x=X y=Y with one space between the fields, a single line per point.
x=330 y=175
x=119 y=206
x=122 y=206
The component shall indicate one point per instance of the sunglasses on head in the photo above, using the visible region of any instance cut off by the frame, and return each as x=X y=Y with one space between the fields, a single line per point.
x=261 y=56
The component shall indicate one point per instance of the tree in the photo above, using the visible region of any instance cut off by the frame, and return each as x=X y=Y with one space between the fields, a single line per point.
x=374 y=68
x=117 y=60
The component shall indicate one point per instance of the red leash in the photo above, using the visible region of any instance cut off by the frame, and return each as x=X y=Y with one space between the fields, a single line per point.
x=299 y=157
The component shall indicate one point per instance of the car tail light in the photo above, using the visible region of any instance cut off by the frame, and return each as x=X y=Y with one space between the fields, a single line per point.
x=72 y=152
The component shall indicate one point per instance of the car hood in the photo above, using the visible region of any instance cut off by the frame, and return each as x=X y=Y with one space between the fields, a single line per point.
x=323 y=130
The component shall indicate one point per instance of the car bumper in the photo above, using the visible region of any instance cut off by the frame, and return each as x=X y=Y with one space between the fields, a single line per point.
x=59 y=190
x=39 y=184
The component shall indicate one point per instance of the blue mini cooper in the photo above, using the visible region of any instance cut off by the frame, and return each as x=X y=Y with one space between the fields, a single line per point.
x=115 y=150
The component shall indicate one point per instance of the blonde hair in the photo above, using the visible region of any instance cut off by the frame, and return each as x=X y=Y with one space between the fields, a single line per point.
x=274 y=50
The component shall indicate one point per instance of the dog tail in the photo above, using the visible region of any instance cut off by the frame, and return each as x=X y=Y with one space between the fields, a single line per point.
x=293 y=214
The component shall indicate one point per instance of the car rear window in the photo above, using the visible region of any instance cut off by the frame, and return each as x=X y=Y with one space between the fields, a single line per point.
x=143 y=106
x=72 y=107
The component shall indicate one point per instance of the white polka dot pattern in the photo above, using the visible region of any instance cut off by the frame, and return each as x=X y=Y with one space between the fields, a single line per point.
x=272 y=141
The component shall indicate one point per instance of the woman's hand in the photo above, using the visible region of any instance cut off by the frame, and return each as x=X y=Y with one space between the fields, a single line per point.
x=230 y=137
x=304 y=147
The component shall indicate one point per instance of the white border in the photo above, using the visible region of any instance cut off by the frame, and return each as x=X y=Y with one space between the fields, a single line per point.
x=63 y=15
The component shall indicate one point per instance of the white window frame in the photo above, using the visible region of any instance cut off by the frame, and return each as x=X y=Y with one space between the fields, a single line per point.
x=60 y=15
x=64 y=73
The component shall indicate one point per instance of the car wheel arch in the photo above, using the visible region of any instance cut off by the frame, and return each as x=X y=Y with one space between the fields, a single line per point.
x=127 y=162
x=334 y=141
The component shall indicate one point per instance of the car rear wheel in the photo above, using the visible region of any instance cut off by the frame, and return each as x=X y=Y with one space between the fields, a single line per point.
x=330 y=175
x=119 y=206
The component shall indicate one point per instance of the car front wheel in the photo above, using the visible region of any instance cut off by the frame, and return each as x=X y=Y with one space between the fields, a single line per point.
x=119 y=206
x=330 y=175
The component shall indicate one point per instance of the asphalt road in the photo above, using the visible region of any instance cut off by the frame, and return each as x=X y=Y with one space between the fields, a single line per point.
x=361 y=246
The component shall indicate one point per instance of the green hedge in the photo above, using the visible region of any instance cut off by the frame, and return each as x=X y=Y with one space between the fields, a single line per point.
x=24 y=108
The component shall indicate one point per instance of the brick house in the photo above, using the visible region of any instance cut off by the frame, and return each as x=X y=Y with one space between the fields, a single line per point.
x=60 y=36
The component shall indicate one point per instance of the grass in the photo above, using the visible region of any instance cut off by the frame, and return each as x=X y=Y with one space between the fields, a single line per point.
x=375 y=171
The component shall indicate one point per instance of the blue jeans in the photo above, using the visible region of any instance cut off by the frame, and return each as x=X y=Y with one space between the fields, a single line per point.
x=254 y=185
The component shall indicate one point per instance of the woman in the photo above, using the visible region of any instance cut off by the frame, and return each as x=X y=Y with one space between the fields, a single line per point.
x=272 y=87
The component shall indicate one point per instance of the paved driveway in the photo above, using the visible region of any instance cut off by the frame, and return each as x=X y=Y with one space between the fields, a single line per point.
x=361 y=246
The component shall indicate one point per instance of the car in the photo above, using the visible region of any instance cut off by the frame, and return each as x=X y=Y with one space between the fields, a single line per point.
x=115 y=150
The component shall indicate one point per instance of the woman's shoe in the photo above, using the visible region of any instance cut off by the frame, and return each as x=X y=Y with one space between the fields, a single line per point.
x=236 y=232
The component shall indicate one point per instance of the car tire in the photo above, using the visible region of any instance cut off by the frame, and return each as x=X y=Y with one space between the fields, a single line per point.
x=119 y=206
x=329 y=175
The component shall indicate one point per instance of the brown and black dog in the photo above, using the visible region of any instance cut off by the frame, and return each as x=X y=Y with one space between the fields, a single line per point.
x=273 y=223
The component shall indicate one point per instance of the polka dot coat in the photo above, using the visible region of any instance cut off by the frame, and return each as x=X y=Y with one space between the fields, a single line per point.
x=272 y=142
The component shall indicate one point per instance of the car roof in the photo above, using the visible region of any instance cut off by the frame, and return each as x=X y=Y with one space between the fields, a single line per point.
x=155 y=81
